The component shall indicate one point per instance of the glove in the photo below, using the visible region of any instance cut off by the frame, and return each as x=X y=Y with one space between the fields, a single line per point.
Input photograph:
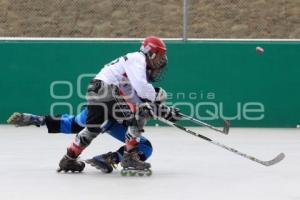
x=159 y=110
x=161 y=95
x=169 y=113
x=146 y=110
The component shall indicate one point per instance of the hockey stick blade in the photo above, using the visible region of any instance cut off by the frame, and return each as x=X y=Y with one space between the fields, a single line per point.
x=275 y=160
x=267 y=163
x=225 y=129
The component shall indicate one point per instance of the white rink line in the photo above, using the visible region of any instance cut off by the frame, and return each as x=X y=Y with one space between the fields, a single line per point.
x=139 y=39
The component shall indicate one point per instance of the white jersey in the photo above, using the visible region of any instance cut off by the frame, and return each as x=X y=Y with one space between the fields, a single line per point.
x=130 y=68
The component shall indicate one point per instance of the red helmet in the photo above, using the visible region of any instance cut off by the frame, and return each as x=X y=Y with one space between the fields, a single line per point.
x=155 y=50
x=153 y=45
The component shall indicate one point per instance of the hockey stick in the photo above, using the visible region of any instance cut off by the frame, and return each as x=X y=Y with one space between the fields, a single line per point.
x=225 y=128
x=275 y=160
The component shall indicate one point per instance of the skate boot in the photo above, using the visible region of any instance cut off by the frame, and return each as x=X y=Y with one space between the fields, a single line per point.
x=26 y=119
x=105 y=162
x=68 y=163
x=132 y=165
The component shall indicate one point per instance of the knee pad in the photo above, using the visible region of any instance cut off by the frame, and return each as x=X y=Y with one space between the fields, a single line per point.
x=94 y=129
x=145 y=148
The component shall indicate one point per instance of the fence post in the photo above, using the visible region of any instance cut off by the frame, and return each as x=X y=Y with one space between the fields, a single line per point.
x=185 y=19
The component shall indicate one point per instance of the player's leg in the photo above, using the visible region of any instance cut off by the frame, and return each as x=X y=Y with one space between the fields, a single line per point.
x=64 y=123
x=131 y=161
x=119 y=131
x=108 y=161
x=101 y=101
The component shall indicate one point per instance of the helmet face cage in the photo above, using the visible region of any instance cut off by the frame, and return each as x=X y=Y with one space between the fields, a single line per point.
x=157 y=73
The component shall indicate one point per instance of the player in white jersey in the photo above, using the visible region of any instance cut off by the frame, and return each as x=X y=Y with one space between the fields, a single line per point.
x=105 y=101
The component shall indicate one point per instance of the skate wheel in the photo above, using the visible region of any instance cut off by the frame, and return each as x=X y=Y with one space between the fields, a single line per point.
x=131 y=173
x=141 y=174
x=149 y=172
x=123 y=172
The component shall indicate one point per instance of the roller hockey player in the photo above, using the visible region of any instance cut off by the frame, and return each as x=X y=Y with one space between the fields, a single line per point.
x=104 y=101
x=104 y=95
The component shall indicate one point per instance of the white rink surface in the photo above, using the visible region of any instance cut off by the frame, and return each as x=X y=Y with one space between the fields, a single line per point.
x=184 y=167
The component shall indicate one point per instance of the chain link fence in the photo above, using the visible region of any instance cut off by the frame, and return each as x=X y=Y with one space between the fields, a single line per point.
x=138 y=18
x=244 y=19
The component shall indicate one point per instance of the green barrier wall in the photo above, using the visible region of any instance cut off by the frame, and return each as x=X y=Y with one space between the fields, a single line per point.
x=211 y=79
